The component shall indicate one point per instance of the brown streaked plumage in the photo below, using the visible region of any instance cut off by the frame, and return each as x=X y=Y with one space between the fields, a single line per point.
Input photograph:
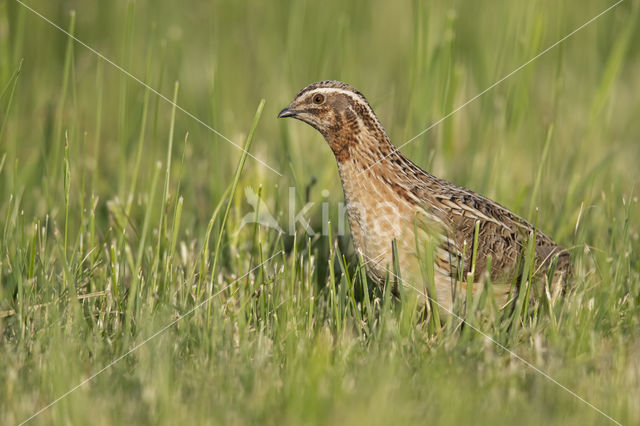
x=389 y=197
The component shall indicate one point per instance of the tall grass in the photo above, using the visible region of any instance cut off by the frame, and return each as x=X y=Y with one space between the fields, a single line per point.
x=119 y=213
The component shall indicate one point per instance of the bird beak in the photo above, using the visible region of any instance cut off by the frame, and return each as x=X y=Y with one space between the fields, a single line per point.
x=288 y=113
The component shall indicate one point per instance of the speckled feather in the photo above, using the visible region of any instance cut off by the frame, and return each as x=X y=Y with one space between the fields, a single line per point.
x=389 y=197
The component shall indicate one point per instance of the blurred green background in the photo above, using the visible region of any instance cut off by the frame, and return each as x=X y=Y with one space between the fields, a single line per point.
x=291 y=345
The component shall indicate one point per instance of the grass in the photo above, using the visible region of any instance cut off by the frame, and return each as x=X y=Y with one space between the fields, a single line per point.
x=119 y=213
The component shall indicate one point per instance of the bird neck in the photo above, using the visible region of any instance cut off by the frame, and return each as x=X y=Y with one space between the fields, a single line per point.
x=368 y=149
x=360 y=139
x=365 y=154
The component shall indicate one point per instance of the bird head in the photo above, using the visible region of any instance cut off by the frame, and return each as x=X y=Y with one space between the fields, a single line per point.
x=330 y=107
x=342 y=115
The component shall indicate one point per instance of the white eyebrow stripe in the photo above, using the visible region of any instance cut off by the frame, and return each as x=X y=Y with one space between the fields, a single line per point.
x=349 y=93
x=357 y=98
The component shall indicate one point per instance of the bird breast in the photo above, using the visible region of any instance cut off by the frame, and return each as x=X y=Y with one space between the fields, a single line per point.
x=377 y=215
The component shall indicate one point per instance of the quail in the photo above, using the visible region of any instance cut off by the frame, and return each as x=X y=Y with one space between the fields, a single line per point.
x=389 y=198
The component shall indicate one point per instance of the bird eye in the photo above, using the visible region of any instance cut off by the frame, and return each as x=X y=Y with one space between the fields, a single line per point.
x=318 y=99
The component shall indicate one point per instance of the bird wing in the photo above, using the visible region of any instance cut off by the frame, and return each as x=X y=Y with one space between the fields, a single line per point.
x=501 y=234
